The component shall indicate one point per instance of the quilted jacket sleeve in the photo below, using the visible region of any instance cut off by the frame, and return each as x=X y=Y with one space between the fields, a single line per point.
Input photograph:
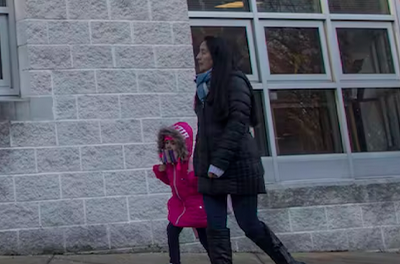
x=162 y=176
x=235 y=129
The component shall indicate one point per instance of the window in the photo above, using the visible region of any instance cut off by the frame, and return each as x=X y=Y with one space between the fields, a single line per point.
x=289 y=6
x=218 y=5
x=288 y=55
x=6 y=53
x=373 y=119
x=305 y=122
x=365 y=50
x=296 y=48
x=238 y=33
x=306 y=60
x=260 y=130
x=359 y=6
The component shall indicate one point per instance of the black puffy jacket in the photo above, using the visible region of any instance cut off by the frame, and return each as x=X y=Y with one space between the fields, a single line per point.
x=228 y=145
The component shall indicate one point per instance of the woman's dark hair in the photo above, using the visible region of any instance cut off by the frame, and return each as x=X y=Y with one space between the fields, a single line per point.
x=224 y=64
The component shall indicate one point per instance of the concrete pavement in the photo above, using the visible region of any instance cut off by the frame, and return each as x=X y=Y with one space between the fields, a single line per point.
x=245 y=258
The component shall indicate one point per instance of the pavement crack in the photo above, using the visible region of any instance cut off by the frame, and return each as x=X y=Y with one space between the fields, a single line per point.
x=50 y=259
x=259 y=258
x=76 y=261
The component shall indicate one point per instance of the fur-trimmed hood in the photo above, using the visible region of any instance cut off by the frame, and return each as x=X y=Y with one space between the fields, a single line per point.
x=182 y=133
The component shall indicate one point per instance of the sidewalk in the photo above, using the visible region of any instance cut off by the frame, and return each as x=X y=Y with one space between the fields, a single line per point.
x=309 y=258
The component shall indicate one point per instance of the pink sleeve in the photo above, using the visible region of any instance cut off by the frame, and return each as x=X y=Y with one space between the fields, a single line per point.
x=162 y=176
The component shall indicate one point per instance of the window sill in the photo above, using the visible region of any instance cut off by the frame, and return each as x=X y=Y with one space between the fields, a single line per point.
x=339 y=192
x=13 y=99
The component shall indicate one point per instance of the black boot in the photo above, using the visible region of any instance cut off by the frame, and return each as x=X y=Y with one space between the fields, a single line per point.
x=271 y=245
x=219 y=246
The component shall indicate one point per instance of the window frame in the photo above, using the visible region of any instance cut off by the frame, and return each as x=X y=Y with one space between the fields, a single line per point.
x=234 y=23
x=10 y=85
x=339 y=129
x=365 y=154
x=5 y=83
x=293 y=13
x=327 y=76
x=229 y=10
x=346 y=166
x=392 y=42
x=360 y=16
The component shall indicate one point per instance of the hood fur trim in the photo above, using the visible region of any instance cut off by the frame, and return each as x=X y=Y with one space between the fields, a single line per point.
x=182 y=150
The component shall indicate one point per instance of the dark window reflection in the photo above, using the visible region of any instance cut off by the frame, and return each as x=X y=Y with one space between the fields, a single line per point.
x=289 y=6
x=305 y=122
x=1 y=63
x=260 y=132
x=294 y=50
x=3 y=2
x=236 y=36
x=365 y=50
x=359 y=6
x=218 y=5
x=373 y=119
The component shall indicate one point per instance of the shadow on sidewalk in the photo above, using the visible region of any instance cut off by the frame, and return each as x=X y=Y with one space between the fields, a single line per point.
x=243 y=258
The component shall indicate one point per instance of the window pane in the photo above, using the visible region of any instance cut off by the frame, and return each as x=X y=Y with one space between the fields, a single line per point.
x=365 y=50
x=1 y=63
x=294 y=50
x=305 y=122
x=289 y=6
x=373 y=119
x=260 y=132
x=218 y=5
x=359 y=6
x=236 y=36
x=3 y=2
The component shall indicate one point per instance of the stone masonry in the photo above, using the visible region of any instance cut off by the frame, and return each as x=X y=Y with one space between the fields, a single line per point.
x=76 y=158
x=75 y=166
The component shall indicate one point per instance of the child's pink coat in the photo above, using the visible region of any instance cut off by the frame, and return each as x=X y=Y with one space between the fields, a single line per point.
x=185 y=208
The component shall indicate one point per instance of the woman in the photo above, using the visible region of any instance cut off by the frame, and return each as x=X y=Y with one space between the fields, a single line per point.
x=226 y=158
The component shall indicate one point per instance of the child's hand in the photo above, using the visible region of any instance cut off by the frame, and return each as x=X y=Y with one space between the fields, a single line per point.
x=161 y=168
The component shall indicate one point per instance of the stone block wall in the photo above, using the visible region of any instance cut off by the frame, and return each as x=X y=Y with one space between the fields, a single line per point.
x=76 y=157
x=359 y=216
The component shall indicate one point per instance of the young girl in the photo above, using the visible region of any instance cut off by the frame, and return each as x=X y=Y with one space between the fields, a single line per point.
x=185 y=208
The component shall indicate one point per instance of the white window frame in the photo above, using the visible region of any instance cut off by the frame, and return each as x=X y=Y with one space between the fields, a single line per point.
x=234 y=23
x=221 y=14
x=306 y=86
x=327 y=76
x=325 y=167
x=9 y=86
x=5 y=83
x=392 y=42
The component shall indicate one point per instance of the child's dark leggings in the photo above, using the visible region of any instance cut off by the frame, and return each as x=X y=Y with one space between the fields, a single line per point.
x=173 y=242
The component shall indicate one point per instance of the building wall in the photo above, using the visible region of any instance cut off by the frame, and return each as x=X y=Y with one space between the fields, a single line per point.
x=76 y=158
x=364 y=215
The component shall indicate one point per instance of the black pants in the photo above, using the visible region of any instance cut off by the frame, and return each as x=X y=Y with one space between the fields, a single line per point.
x=173 y=242
x=244 y=207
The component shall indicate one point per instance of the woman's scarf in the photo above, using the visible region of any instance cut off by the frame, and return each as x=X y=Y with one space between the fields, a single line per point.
x=203 y=82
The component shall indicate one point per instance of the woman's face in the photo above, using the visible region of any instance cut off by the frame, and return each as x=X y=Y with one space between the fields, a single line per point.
x=204 y=58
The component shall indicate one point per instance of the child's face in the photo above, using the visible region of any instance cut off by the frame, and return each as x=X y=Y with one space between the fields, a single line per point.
x=170 y=145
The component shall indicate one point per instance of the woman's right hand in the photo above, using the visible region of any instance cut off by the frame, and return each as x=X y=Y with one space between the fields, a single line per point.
x=161 y=168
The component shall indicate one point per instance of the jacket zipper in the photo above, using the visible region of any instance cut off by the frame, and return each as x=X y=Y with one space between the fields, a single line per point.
x=177 y=193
